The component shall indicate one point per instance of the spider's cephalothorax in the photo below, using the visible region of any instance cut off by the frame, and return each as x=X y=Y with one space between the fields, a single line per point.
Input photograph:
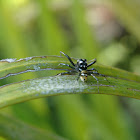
x=80 y=68
x=82 y=64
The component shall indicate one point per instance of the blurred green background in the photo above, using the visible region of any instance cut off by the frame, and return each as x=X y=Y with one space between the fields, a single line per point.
x=108 y=30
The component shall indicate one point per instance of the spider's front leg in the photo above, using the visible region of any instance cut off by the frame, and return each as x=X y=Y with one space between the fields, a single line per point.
x=67 y=58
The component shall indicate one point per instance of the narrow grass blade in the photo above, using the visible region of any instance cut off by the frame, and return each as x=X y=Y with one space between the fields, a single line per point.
x=14 y=129
x=11 y=67
x=58 y=85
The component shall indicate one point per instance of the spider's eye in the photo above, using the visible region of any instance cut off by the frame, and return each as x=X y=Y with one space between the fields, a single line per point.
x=81 y=61
x=83 y=65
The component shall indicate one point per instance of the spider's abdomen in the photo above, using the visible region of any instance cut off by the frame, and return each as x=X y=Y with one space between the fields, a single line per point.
x=83 y=75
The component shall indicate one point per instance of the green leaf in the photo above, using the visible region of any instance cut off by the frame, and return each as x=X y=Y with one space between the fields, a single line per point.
x=14 y=129
x=118 y=82
x=10 y=67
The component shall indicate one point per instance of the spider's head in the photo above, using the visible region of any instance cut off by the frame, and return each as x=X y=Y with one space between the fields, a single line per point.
x=82 y=64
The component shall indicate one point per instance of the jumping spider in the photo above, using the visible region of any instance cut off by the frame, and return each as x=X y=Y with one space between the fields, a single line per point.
x=81 y=69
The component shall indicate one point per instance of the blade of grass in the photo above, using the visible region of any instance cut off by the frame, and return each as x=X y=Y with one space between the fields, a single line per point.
x=57 y=85
x=75 y=110
x=37 y=63
x=14 y=129
x=52 y=35
x=83 y=33
x=10 y=67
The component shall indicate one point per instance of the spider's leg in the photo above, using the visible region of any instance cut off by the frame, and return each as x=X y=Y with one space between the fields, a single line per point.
x=101 y=75
x=71 y=72
x=68 y=58
x=96 y=80
x=64 y=73
x=92 y=69
x=78 y=76
x=91 y=63
x=66 y=65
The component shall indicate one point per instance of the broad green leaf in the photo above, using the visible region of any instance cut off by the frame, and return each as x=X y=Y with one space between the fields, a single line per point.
x=118 y=82
x=14 y=129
